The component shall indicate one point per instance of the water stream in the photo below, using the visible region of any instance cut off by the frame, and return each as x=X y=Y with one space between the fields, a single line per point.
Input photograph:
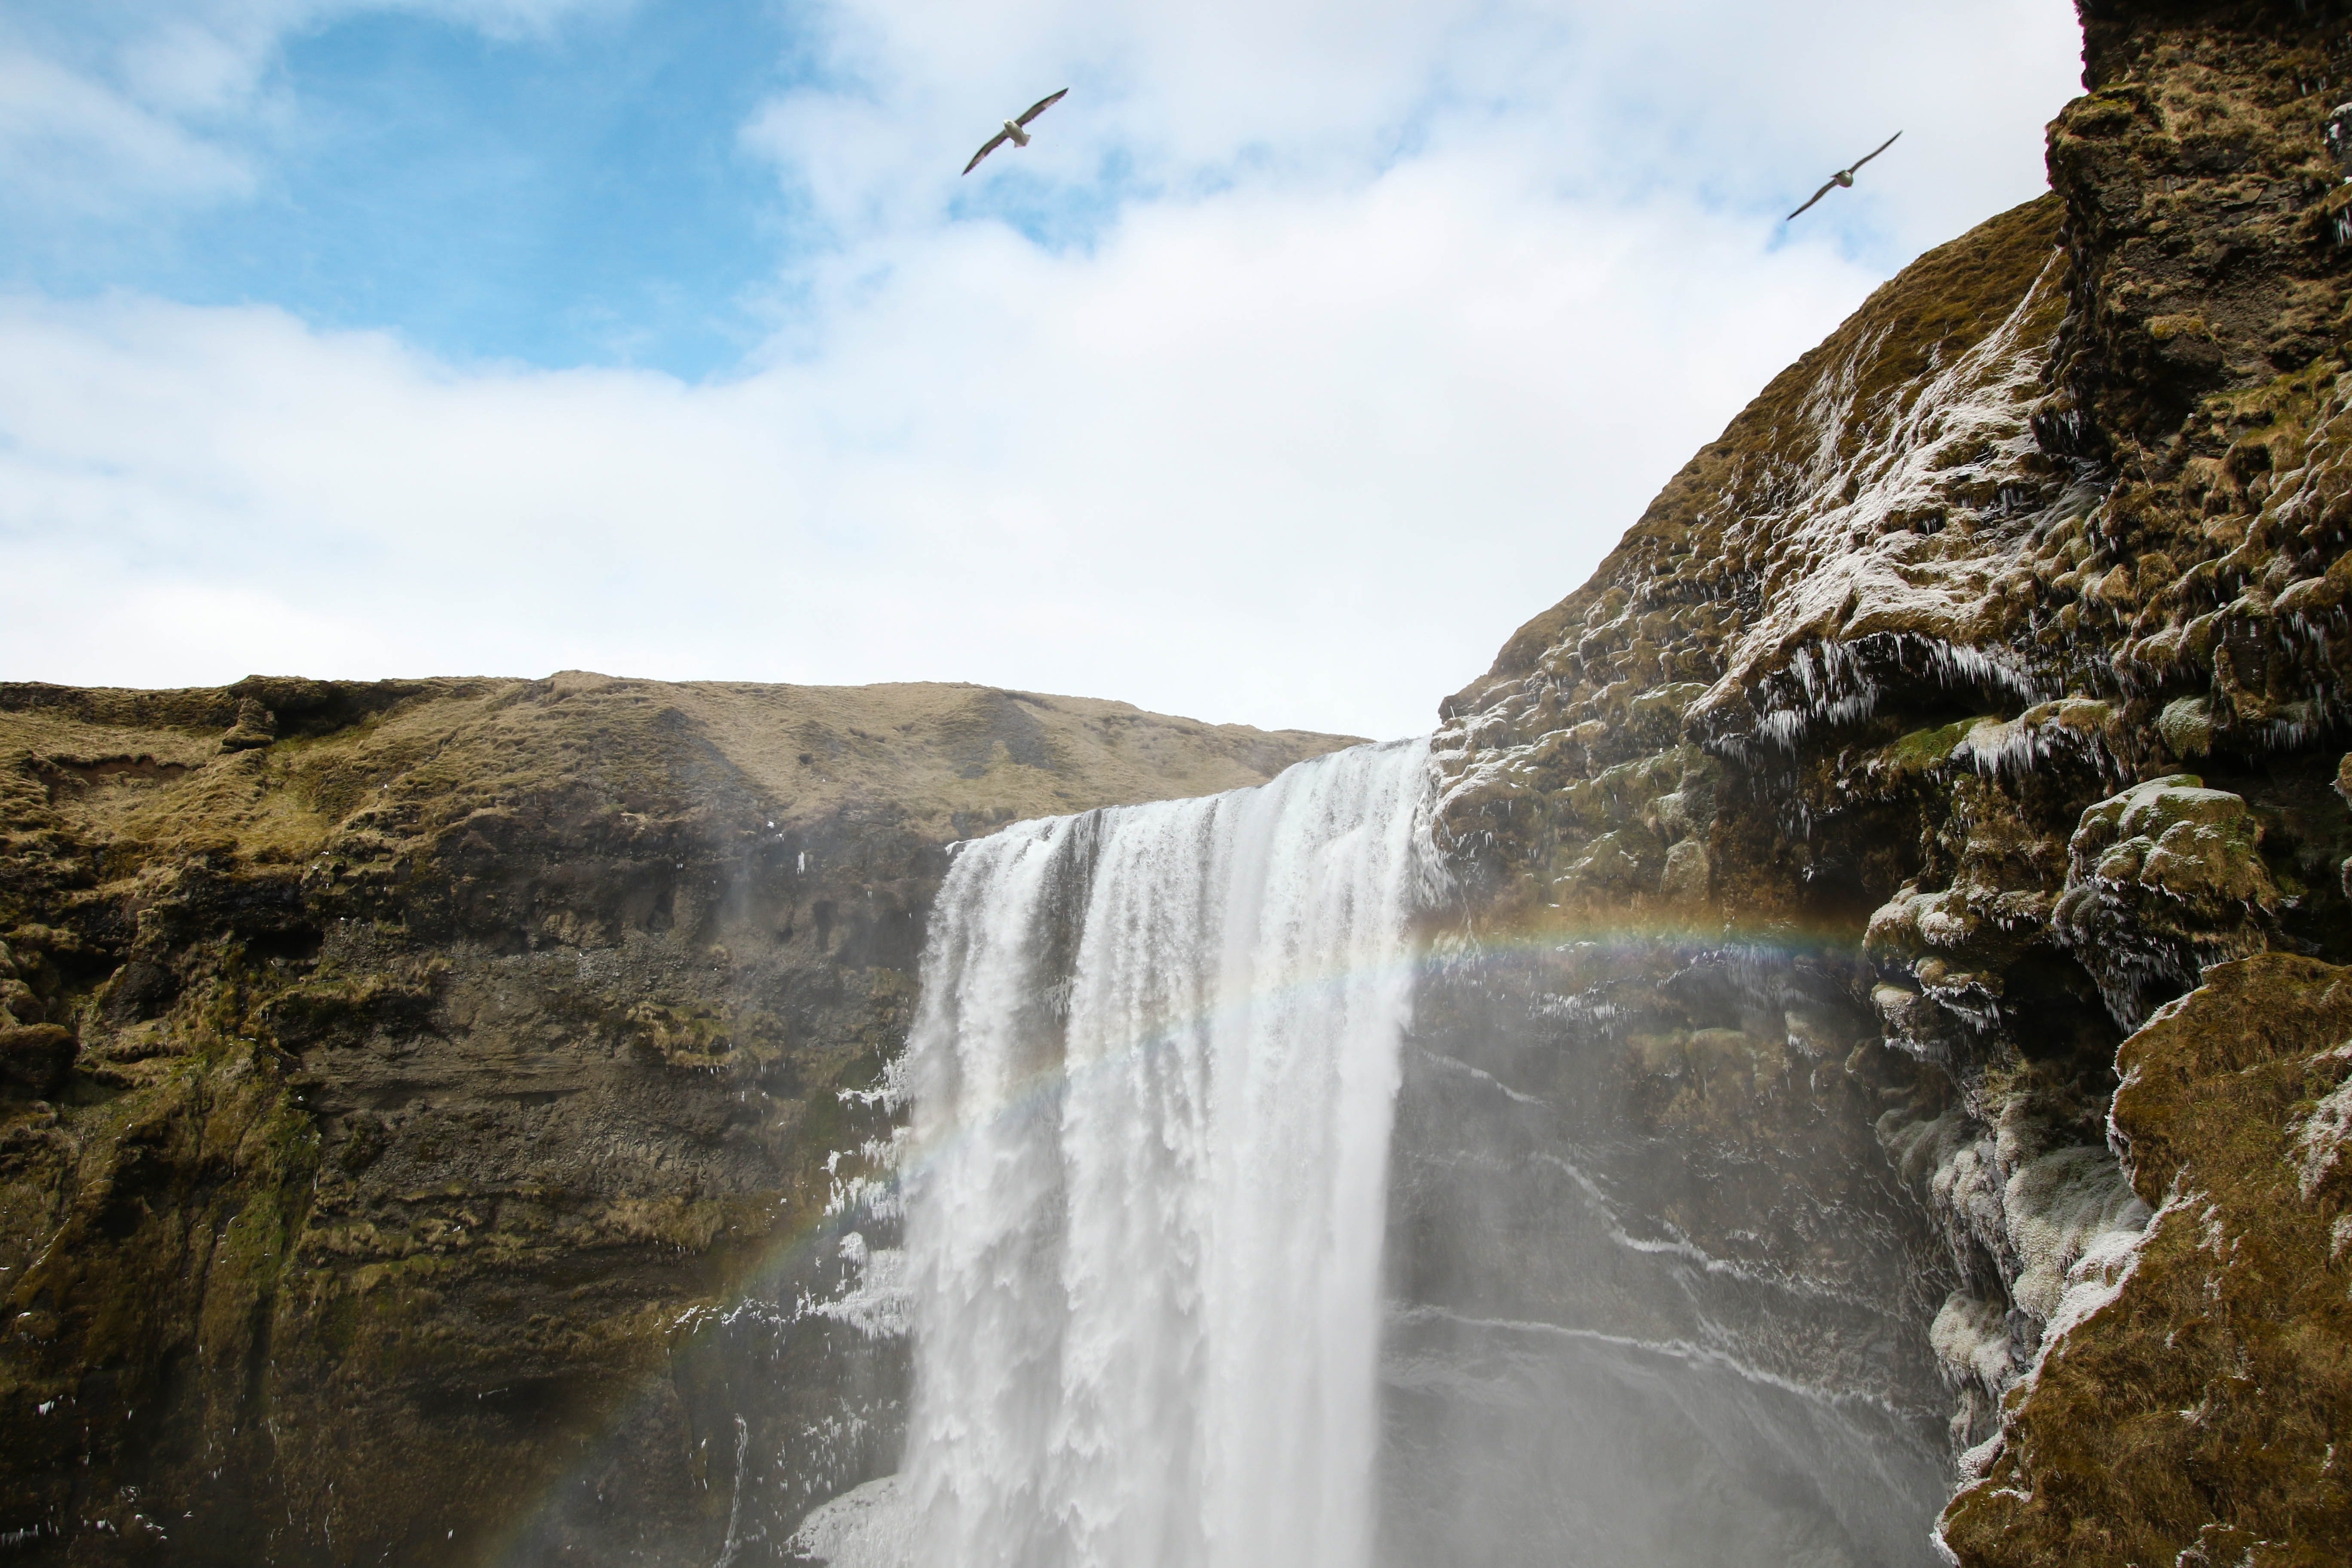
x=1152 y=1085
x=1172 y=1308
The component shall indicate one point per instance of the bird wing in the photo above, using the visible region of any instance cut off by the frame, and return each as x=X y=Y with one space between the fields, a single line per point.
x=1817 y=196
x=1042 y=105
x=1881 y=147
x=990 y=145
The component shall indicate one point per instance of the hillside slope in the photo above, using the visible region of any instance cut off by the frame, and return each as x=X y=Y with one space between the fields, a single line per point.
x=403 y=1088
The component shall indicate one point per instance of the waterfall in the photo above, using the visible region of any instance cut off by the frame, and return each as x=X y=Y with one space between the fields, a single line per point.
x=1153 y=1077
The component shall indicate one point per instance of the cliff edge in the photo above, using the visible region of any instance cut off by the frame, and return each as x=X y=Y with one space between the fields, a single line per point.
x=1983 y=690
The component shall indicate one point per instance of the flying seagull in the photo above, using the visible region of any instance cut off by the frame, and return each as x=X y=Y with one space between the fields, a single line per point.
x=1012 y=132
x=1842 y=179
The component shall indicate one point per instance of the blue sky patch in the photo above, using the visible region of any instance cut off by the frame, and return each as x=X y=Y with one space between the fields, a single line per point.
x=577 y=196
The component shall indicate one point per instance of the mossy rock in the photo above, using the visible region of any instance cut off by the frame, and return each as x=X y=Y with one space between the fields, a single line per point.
x=2200 y=1414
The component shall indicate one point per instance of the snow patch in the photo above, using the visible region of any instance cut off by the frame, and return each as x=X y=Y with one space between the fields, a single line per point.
x=2321 y=1136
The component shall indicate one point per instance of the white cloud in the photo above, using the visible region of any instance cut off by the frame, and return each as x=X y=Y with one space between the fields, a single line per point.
x=72 y=144
x=1383 y=343
x=1255 y=458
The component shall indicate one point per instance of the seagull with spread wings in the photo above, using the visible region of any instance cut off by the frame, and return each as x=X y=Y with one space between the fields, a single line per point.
x=1841 y=180
x=1013 y=131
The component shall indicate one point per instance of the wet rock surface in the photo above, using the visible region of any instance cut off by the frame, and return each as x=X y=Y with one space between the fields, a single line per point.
x=434 y=1116
x=1655 y=1291
x=2195 y=1410
x=1933 y=735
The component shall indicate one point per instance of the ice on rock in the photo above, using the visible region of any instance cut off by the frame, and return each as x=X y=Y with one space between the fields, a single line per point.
x=2061 y=1209
x=2320 y=1137
x=1970 y=1336
x=2064 y=1225
x=1898 y=584
x=2162 y=879
x=870 y=1527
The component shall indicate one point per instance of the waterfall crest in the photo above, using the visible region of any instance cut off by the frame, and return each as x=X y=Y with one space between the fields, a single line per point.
x=1153 y=1078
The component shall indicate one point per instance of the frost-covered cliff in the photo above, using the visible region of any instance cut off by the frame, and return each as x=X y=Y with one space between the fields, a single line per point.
x=1978 y=692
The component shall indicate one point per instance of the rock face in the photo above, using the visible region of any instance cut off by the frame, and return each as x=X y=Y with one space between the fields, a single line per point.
x=2195 y=1408
x=1893 y=1024
x=425 y=1106
x=1970 y=712
x=1637 y=1164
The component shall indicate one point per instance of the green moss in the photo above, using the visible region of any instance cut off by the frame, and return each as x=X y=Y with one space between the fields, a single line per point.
x=1923 y=751
x=2203 y=1408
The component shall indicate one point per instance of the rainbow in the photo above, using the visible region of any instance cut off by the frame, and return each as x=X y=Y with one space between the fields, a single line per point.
x=1448 y=946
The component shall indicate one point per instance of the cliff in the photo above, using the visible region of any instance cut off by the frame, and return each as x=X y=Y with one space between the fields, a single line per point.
x=1973 y=712
x=421 y=1102
x=1891 y=1028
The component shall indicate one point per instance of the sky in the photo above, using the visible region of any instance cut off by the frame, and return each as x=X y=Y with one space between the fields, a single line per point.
x=1311 y=347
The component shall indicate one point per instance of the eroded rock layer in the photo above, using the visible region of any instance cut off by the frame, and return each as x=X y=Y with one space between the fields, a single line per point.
x=429 y=1111
x=1930 y=738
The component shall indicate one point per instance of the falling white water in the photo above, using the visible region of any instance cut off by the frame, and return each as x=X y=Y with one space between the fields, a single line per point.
x=1153 y=1077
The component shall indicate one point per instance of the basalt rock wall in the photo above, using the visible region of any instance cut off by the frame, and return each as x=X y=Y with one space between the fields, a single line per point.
x=1925 y=842
x=432 y=1114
